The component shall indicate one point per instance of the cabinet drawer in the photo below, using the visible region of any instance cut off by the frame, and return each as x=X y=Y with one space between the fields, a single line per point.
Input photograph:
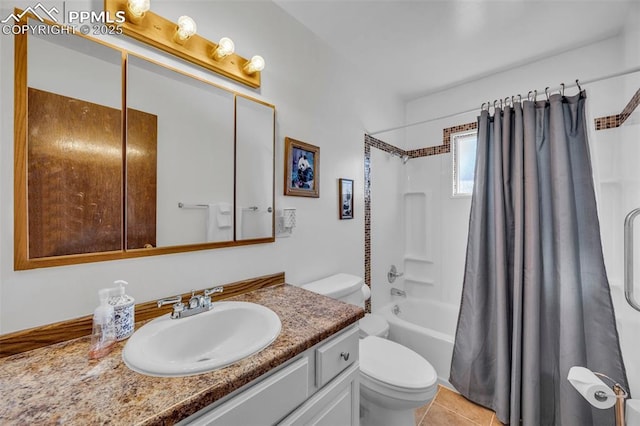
x=336 y=355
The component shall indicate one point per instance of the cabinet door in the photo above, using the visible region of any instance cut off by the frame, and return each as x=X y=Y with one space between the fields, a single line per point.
x=264 y=403
x=336 y=404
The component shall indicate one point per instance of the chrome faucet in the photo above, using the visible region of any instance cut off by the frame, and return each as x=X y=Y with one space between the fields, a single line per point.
x=393 y=274
x=197 y=303
x=398 y=292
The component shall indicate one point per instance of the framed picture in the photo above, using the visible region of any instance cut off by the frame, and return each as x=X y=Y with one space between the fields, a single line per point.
x=302 y=169
x=345 y=195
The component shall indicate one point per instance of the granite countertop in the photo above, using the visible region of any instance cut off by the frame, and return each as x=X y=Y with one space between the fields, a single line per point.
x=58 y=384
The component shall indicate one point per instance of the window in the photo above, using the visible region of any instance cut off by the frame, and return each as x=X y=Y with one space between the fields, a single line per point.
x=464 y=162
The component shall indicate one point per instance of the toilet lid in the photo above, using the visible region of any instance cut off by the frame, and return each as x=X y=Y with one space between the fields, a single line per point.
x=373 y=325
x=394 y=364
x=335 y=286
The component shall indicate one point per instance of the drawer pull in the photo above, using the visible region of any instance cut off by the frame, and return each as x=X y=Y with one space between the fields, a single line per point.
x=344 y=355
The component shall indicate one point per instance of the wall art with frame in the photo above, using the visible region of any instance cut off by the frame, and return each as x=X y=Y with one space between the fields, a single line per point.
x=345 y=198
x=302 y=169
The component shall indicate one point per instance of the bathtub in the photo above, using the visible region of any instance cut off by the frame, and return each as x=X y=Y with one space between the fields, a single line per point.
x=428 y=327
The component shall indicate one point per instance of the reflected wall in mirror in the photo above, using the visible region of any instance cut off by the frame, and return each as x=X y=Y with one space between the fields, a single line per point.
x=194 y=153
x=92 y=183
x=254 y=160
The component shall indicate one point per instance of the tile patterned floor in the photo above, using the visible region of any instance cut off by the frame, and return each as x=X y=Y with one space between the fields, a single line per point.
x=449 y=408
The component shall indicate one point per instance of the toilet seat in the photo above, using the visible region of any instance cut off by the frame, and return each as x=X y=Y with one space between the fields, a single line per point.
x=397 y=367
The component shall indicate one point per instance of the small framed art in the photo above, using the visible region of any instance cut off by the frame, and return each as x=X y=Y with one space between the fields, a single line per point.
x=345 y=198
x=302 y=169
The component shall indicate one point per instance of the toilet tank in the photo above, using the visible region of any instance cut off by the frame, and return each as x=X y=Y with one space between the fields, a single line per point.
x=344 y=287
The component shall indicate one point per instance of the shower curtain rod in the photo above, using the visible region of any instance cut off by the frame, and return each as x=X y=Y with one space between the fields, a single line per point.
x=561 y=87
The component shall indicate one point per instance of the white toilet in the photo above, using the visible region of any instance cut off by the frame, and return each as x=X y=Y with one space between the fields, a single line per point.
x=394 y=380
x=633 y=412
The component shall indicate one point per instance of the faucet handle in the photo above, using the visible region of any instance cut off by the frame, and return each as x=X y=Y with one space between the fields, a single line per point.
x=174 y=300
x=210 y=291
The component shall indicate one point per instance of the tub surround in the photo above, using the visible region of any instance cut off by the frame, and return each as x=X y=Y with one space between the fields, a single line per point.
x=58 y=384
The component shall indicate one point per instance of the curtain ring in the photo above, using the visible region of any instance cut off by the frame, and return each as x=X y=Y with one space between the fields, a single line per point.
x=529 y=95
x=562 y=90
x=506 y=101
x=546 y=92
x=535 y=94
x=495 y=101
x=519 y=98
x=578 y=84
x=482 y=107
x=500 y=103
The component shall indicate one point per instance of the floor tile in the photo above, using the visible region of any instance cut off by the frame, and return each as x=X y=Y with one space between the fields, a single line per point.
x=421 y=411
x=462 y=406
x=496 y=422
x=441 y=416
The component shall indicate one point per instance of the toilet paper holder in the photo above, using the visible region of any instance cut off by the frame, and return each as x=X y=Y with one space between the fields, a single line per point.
x=621 y=395
x=601 y=396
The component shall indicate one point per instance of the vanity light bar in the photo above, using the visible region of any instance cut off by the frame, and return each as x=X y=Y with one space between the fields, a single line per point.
x=165 y=35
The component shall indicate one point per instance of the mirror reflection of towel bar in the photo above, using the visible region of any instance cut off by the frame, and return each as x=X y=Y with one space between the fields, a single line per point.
x=256 y=208
x=192 y=206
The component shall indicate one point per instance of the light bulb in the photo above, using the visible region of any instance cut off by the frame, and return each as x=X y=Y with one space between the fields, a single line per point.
x=186 y=28
x=224 y=49
x=254 y=65
x=137 y=8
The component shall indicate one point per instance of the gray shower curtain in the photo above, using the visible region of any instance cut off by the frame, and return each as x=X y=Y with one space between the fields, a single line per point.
x=535 y=299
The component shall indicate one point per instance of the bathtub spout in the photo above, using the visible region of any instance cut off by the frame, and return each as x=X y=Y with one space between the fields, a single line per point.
x=398 y=292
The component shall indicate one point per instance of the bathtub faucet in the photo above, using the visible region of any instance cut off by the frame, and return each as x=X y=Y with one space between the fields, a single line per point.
x=398 y=292
x=393 y=274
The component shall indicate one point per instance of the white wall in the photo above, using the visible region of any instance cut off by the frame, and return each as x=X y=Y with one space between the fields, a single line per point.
x=318 y=100
x=615 y=154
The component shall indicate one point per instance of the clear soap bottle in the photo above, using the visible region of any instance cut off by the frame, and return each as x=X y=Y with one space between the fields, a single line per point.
x=103 y=336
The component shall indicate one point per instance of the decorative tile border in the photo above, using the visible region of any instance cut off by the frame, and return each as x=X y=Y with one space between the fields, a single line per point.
x=370 y=141
x=608 y=122
x=612 y=121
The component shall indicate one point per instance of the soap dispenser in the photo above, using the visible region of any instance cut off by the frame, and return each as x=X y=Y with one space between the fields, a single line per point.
x=124 y=310
x=103 y=336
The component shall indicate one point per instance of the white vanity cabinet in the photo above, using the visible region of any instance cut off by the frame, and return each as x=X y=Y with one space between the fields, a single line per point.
x=318 y=387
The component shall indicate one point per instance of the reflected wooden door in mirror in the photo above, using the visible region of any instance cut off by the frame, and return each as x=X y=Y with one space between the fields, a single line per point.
x=142 y=182
x=75 y=176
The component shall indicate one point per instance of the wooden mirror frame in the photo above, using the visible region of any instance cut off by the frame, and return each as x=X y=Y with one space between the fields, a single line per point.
x=22 y=261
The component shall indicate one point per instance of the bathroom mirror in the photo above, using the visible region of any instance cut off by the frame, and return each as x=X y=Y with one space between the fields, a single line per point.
x=74 y=152
x=189 y=165
x=255 y=159
x=195 y=150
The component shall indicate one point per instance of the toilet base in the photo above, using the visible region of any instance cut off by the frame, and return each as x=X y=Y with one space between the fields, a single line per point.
x=374 y=415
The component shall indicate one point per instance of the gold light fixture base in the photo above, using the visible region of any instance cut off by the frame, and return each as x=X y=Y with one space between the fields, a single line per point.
x=159 y=32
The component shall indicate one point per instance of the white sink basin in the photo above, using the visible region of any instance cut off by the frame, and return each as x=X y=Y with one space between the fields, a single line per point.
x=204 y=342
